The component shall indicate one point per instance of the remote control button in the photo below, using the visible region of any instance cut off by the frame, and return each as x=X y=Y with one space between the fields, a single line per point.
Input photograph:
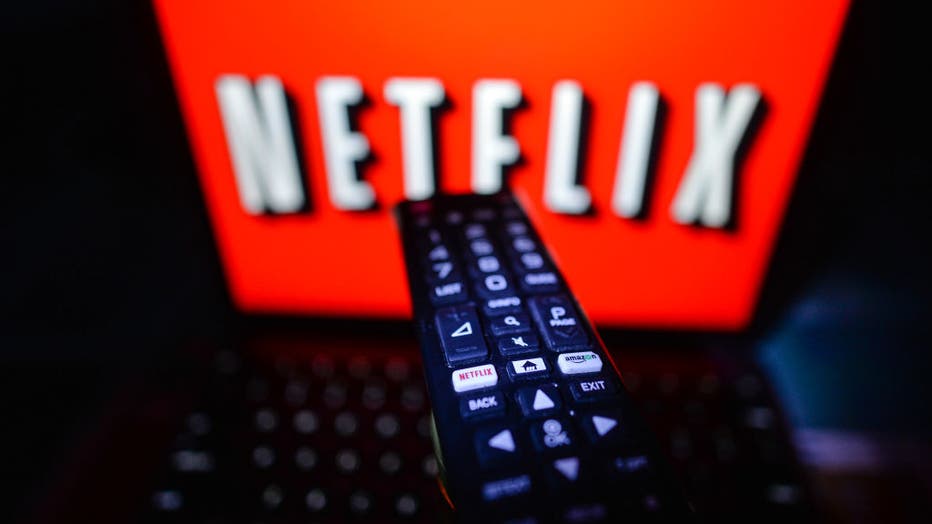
x=531 y=261
x=540 y=282
x=494 y=285
x=629 y=466
x=448 y=293
x=582 y=362
x=603 y=427
x=508 y=324
x=460 y=335
x=433 y=236
x=477 y=377
x=515 y=228
x=552 y=434
x=489 y=405
x=474 y=231
x=527 y=368
x=496 y=446
x=592 y=390
x=503 y=305
x=442 y=272
x=559 y=322
x=438 y=253
x=518 y=344
x=483 y=214
x=565 y=471
x=523 y=244
x=488 y=264
x=481 y=247
x=454 y=218
x=506 y=488
x=539 y=401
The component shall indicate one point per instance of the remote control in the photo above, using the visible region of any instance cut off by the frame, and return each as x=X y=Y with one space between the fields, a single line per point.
x=531 y=420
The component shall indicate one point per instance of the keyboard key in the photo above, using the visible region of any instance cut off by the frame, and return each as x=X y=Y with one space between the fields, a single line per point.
x=508 y=324
x=518 y=344
x=316 y=500
x=460 y=335
x=559 y=322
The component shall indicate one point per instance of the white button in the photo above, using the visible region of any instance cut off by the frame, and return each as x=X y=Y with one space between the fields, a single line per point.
x=528 y=365
x=569 y=467
x=503 y=441
x=603 y=424
x=581 y=362
x=474 y=378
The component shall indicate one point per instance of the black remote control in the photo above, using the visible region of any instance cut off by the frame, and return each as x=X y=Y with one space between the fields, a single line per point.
x=532 y=423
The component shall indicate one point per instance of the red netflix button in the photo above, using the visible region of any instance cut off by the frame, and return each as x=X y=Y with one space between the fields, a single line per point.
x=474 y=378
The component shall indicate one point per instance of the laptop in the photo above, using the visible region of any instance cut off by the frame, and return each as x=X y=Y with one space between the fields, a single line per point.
x=313 y=407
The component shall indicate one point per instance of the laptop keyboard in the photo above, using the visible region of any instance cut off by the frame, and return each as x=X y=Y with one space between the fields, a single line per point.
x=340 y=436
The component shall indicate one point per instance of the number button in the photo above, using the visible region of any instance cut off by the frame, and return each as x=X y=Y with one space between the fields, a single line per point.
x=493 y=285
x=474 y=231
x=516 y=228
x=481 y=247
x=523 y=245
x=438 y=253
x=443 y=271
x=488 y=264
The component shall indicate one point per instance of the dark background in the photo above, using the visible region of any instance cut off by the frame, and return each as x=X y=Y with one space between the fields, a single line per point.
x=108 y=265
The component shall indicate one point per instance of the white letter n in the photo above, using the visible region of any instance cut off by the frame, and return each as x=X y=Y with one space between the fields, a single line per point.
x=261 y=144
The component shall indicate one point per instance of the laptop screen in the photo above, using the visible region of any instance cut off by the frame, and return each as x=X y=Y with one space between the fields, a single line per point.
x=654 y=144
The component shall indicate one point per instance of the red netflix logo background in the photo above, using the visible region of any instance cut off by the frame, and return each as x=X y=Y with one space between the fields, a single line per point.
x=566 y=102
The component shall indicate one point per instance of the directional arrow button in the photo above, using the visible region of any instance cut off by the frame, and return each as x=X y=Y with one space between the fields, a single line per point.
x=569 y=467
